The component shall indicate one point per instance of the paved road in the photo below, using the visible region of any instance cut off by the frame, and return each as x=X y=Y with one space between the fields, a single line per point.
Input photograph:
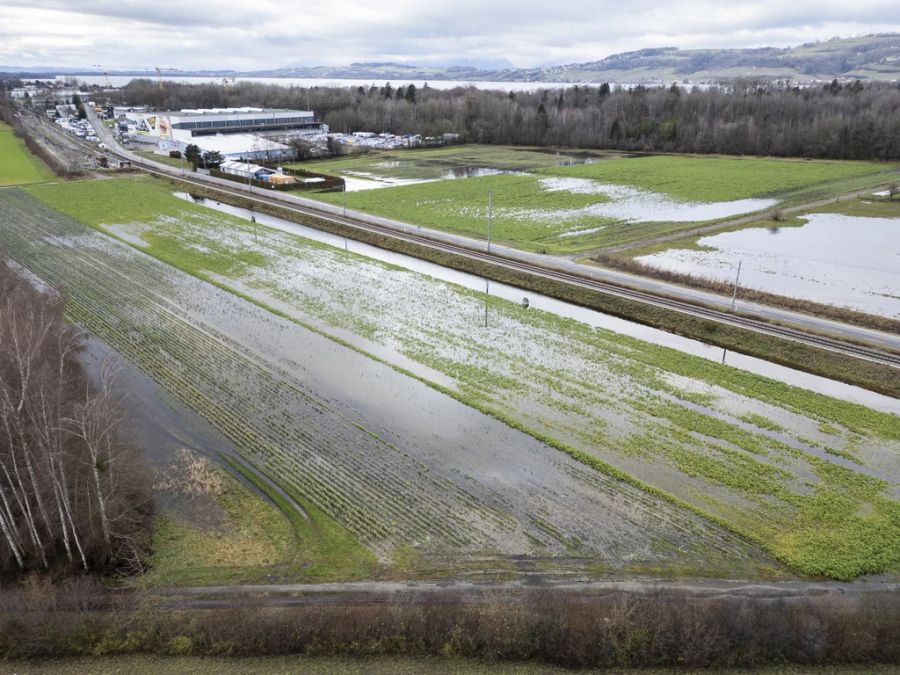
x=589 y=275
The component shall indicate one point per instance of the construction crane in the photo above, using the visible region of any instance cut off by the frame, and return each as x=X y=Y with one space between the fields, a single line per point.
x=105 y=75
x=160 y=71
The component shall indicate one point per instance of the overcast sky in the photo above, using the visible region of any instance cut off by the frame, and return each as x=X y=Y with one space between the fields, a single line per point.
x=255 y=34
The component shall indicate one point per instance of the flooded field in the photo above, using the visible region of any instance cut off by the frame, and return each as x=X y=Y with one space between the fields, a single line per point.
x=454 y=161
x=834 y=259
x=642 y=206
x=782 y=465
x=567 y=310
x=369 y=180
x=410 y=167
x=574 y=202
x=392 y=459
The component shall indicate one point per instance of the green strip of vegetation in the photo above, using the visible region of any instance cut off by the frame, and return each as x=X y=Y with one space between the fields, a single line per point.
x=17 y=165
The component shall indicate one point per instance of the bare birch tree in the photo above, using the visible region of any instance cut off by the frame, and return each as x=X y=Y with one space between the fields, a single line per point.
x=71 y=492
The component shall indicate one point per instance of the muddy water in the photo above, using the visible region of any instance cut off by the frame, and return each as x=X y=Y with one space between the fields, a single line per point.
x=835 y=259
x=157 y=424
x=435 y=442
x=568 y=310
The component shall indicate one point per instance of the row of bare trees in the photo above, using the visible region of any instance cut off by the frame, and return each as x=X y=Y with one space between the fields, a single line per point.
x=853 y=121
x=72 y=493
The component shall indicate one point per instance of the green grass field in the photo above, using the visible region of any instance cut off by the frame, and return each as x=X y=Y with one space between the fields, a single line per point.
x=17 y=165
x=122 y=200
x=718 y=179
x=529 y=216
x=258 y=538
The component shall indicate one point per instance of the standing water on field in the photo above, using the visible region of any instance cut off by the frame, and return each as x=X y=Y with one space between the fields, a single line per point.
x=834 y=259
x=636 y=205
x=588 y=316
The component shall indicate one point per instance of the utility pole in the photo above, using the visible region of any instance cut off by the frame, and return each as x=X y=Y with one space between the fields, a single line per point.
x=490 y=218
x=344 y=198
x=487 y=292
x=737 y=278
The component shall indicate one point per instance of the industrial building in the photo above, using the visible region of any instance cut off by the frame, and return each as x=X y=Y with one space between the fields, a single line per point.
x=235 y=133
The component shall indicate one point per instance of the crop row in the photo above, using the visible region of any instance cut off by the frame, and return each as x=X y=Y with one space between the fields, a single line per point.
x=354 y=476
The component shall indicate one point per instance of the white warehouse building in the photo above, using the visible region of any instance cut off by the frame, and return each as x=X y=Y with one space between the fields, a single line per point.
x=233 y=132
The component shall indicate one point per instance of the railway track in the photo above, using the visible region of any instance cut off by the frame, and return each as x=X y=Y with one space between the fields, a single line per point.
x=760 y=326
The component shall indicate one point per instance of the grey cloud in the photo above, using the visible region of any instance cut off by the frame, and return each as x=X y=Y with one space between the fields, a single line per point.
x=268 y=33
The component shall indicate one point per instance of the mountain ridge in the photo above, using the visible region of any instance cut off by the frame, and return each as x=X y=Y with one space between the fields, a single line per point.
x=875 y=56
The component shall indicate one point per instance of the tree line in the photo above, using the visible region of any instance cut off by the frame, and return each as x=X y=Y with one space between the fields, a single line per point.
x=839 y=121
x=73 y=495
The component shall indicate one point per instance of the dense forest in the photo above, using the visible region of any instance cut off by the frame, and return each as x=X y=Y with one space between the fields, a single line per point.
x=840 y=121
x=72 y=494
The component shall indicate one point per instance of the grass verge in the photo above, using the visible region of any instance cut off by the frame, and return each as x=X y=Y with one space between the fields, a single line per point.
x=387 y=665
x=17 y=165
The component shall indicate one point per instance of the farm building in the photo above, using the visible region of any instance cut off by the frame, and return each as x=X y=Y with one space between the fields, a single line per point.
x=246 y=170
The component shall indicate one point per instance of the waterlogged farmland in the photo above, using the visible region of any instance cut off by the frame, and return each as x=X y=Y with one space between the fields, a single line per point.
x=460 y=161
x=813 y=479
x=397 y=463
x=577 y=205
x=561 y=308
x=836 y=257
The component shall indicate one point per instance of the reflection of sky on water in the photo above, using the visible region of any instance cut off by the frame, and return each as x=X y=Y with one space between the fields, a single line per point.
x=836 y=259
x=633 y=204
x=591 y=317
